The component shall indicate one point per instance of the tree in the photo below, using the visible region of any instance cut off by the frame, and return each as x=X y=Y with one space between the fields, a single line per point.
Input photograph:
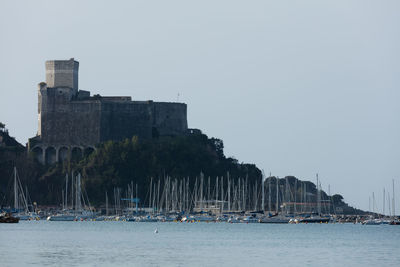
x=337 y=199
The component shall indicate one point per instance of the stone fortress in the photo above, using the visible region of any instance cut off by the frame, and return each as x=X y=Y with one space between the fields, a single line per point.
x=72 y=122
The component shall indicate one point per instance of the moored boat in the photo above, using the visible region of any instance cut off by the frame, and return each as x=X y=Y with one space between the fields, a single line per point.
x=8 y=218
x=250 y=219
x=62 y=218
x=317 y=219
x=372 y=222
x=275 y=219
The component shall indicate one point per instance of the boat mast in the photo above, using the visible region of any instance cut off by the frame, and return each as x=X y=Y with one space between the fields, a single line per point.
x=305 y=197
x=16 y=204
x=330 y=198
x=151 y=189
x=66 y=191
x=106 y=204
x=244 y=184
x=216 y=192
x=286 y=195
x=181 y=194
x=383 y=209
x=208 y=192
x=295 y=196
x=369 y=204
x=373 y=202
x=201 y=191
x=137 y=199
x=72 y=190
x=222 y=194
x=166 y=194
x=158 y=195
x=239 y=193
x=78 y=193
x=269 y=193
x=277 y=195
x=318 y=197
x=393 y=204
x=229 y=194
x=262 y=191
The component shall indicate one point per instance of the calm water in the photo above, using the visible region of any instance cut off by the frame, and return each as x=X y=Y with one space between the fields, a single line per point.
x=197 y=244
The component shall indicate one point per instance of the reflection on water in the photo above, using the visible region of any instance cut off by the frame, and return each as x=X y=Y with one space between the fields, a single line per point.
x=199 y=244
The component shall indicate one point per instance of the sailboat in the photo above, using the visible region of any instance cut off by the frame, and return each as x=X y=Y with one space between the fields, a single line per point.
x=78 y=213
x=275 y=218
x=316 y=217
x=21 y=206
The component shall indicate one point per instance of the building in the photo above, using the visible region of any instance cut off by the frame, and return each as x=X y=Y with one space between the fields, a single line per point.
x=72 y=122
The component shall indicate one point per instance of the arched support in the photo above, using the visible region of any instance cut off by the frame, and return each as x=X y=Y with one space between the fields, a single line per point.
x=50 y=155
x=76 y=153
x=63 y=153
x=59 y=153
x=38 y=154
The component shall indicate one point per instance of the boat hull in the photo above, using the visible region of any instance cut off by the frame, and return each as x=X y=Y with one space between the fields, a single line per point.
x=9 y=219
x=63 y=218
x=275 y=220
x=315 y=220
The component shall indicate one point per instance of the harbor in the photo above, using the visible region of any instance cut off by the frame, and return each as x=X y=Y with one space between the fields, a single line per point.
x=179 y=201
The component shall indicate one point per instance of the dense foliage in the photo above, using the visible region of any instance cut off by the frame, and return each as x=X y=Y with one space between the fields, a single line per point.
x=117 y=164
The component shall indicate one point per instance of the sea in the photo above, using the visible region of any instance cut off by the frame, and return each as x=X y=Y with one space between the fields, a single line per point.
x=91 y=243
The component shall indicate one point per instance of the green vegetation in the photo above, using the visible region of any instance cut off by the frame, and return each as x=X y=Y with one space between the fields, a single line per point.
x=117 y=164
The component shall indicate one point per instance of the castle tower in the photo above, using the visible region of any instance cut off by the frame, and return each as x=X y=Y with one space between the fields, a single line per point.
x=62 y=73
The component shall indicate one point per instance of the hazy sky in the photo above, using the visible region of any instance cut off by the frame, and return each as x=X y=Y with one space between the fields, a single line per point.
x=297 y=87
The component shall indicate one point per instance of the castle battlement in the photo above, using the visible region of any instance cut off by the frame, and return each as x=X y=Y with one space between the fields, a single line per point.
x=72 y=122
x=62 y=73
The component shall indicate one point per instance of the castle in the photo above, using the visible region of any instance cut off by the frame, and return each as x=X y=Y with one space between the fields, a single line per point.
x=72 y=122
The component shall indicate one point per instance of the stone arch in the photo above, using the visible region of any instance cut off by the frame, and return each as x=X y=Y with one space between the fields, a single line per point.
x=63 y=153
x=38 y=154
x=76 y=153
x=88 y=151
x=50 y=155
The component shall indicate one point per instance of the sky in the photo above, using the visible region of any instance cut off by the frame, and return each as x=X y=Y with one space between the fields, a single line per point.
x=296 y=87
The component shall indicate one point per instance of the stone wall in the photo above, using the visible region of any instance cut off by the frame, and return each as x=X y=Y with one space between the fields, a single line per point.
x=120 y=120
x=66 y=122
x=170 y=118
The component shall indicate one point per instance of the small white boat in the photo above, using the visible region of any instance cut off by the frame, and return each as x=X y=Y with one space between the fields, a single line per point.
x=62 y=218
x=234 y=220
x=372 y=222
x=250 y=219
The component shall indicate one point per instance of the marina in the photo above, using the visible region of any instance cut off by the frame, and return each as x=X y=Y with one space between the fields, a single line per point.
x=172 y=200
